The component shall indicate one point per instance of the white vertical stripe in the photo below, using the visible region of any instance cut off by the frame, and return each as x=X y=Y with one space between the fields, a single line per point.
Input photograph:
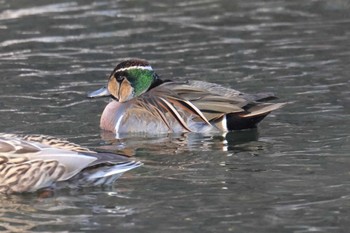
x=224 y=123
x=117 y=125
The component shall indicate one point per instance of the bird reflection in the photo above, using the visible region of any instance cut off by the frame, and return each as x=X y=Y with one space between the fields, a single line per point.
x=30 y=213
x=12 y=218
x=130 y=144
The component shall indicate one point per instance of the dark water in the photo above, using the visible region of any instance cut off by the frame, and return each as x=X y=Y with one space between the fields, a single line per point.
x=290 y=175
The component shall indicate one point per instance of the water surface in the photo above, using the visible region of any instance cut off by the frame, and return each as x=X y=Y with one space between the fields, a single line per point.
x=289 y=175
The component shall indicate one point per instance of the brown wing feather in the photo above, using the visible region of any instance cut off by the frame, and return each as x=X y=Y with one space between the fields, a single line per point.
x=214 y=100
x=49 y=141
x=171 y=109
x=207 y=102
x=210 y=105
x=188 y=106
x=262 y=109
x=16 y=146
x=156 y=108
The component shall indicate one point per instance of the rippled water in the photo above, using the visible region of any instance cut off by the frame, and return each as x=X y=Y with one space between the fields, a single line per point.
x=290 y=175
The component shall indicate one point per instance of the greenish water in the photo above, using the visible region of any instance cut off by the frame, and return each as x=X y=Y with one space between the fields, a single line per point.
x=290 y=175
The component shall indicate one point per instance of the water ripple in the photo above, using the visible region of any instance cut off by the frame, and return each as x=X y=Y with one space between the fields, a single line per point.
x=60 y=39
x=290 y=174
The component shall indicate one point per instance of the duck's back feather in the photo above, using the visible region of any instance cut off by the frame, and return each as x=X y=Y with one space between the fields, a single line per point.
x=221 y=105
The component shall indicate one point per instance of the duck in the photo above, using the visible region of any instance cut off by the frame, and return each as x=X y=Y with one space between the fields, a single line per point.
x=29 y=163
x=143 y=102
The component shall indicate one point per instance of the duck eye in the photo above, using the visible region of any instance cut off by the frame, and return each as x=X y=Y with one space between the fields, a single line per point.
x=119 y=78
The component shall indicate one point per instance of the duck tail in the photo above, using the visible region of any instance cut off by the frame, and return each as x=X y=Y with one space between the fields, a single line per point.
x=104 y=174
x=249 y=118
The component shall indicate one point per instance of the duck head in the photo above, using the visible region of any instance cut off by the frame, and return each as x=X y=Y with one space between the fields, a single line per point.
x=128 y=80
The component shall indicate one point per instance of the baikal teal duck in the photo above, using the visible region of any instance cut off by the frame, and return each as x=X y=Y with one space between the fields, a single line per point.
x=32 y=162
x=142 y=102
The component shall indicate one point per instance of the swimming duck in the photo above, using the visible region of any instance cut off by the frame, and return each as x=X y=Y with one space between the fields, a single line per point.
x=32 y=162
x=143 y=102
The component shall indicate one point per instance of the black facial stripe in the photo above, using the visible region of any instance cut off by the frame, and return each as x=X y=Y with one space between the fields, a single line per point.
x=115 y=98
x=120 y=76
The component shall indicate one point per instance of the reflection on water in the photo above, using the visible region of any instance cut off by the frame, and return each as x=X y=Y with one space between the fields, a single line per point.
x=133 y=144
x=10 y=218
x=289 y=175
x=30 y=213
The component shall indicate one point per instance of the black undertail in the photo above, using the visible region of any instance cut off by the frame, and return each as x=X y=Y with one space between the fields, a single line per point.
x=237 y=122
